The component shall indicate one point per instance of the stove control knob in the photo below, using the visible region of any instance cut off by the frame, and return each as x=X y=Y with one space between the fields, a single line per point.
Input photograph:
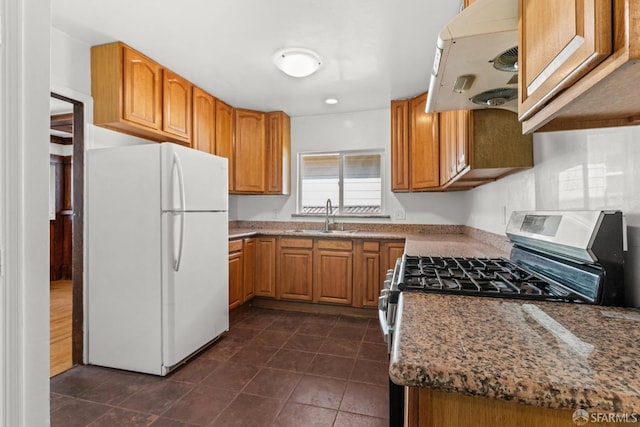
x=387 y=284
x=389 y=274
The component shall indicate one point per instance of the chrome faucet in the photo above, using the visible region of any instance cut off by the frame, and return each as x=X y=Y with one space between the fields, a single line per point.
x=329 y=209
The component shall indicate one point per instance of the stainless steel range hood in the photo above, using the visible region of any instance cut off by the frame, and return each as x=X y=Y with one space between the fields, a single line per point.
x=481 y=36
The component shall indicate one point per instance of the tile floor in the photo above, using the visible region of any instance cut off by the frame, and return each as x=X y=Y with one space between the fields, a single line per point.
x=273 y=368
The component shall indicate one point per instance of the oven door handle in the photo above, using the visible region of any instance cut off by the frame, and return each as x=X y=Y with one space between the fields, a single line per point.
x=384 y=327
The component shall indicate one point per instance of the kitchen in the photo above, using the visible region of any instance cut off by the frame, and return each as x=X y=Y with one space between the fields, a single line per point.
x=568 y=174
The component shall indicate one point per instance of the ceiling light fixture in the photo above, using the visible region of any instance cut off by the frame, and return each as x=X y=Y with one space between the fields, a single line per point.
x=297 y=62
x=331 y=101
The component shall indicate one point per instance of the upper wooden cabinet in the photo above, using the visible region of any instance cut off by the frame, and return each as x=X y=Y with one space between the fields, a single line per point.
x=454 y=150
x=176 y=100
x=278 y=153
x=204 y=121
x=496 y=148
x=224 y=137
x=249 y=152
x=129 y=96
x=415 y=146
x=578 y=61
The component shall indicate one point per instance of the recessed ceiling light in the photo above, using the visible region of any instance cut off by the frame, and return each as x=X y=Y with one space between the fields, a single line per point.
x=330 y=101
x=297 y=62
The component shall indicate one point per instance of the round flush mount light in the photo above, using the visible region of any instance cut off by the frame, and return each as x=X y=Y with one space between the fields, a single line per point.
x=331 y=101
x=297 y=62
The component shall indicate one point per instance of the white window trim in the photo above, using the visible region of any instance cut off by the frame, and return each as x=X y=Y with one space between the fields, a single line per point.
x=383 y=209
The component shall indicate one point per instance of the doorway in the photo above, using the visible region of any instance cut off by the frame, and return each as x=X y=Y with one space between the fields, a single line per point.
x=66 y=214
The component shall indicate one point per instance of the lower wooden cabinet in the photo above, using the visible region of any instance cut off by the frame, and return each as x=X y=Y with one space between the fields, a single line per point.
x=265 y=284
x=242 y=271
x=249 y=268
x=432 y=408
x=321 y=270
x=333 y=271
x=372 y=260
x=295 y=269
x=236 y=274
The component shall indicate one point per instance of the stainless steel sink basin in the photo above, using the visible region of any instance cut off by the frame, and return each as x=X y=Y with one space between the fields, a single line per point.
x=306 y=231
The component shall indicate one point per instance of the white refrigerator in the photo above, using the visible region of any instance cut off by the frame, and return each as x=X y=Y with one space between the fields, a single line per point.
x=157 y=255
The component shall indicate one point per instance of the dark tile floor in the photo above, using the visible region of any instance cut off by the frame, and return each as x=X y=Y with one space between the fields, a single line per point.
x=273 y=368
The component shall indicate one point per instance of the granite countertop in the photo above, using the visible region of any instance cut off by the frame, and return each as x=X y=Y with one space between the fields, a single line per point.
x=556 y=355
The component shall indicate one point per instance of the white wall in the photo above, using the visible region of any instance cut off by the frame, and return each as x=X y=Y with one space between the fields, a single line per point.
x=591 y=169
x=351 y=131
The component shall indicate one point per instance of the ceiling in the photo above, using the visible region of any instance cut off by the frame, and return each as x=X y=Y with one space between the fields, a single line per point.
x=372 y=50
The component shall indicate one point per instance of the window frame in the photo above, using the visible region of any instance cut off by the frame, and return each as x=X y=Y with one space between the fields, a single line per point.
x=341 y=154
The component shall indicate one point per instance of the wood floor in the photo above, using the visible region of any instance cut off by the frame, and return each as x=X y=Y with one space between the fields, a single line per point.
x=60 y=327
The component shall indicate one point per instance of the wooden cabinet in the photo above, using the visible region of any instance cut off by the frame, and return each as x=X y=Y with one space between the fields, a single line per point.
x=236 y=274
x=415 y=149
x=278 y=153
x=204 y=121
x=224 y=137
x=176 y=101
x=372 y=260
x=424 y=145
x=433 y=408
x=333 y=276
x=249 y=268
x=575 y=37
x=496 y=148
x=581 y=86
x=400 y=158
x=249 y=152
x=127 y=89
x=295 y=269
x=368 y=278
x=454 y=150
x=265 y=267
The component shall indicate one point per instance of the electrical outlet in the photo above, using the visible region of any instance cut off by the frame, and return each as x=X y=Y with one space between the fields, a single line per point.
x=399 y=214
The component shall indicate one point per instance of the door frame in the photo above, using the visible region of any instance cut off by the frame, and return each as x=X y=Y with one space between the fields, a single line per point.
x=77 y=233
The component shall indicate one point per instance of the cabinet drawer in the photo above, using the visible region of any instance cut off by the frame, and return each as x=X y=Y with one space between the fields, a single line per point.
x=345 y=245
x=296 y=243
x=235 y=246
x=371 y=246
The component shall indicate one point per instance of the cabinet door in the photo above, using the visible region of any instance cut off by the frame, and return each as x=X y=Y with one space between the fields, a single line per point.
x=295 y=272
x=333 y=281
x=391 y=251
x=250 y=151
x=141 y=90
x=224 y=137
x=368 y=280
x=266 y=267
x=400 y=161
x=236 y=280
x=278 y=153
x=448 y=145
x=249 y=262
x=424 y=146
x=464 y=133
x=176 y=99
x=560 y=41
x=204 y=121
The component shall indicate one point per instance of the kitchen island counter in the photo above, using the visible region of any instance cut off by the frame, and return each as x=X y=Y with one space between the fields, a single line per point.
x=554 y=355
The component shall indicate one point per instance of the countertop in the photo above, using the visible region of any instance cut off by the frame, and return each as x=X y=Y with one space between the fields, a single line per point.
x=556 y=355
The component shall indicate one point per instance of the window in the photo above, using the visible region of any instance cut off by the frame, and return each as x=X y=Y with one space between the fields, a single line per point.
x=352 y=180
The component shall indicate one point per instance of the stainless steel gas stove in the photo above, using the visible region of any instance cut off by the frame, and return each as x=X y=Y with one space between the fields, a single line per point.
x=568 y=257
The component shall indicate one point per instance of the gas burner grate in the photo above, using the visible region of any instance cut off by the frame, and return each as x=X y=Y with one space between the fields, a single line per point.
x=477 y=276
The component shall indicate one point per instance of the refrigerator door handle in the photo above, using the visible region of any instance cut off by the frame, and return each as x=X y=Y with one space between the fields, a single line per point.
x=177 y=168
x=178 y=171
x=177 y=259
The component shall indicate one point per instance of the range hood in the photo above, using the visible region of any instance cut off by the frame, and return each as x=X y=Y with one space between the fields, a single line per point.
x=470 y=49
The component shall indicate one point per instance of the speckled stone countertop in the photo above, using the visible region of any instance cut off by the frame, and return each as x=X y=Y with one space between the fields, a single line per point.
x=555 y=355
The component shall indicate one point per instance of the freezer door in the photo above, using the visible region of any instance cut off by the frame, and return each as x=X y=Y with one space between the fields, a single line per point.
x=195 y=282
x=193 y=180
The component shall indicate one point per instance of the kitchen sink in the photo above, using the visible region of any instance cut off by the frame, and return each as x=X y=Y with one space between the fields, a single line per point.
x=312 y=231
